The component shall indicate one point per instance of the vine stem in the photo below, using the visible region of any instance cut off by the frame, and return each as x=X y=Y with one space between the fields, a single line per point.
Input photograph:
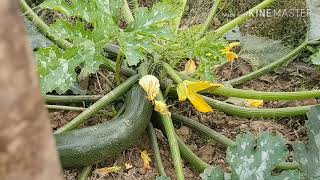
x=84 y=174
x=269 y=67
x=155 y=147
x=172 y=138
x=182 y=5
x=242 y=18
x=62 y=43
x=256 y=112
x=251 y=94
x=71 y=99
x=210 y=17
x=203 y=130
x=193 y=159
x=118 y=68
x=105 y=100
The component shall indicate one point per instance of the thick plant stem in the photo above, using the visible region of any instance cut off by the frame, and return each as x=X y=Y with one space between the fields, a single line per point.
x=171 y=72
x=203 y=130
x=71 y=99
x=155 y=147
x=118 y=68
x=193 y=159
x=255 y=112
x=251 y=94
x=269 y=67
x=84 y=174
x=62 y=43
x=210 y=17
x=105 y=100
x=242 y=18
x=287 y=165
x=172 y=138
x=71 y=108
x=126 y=12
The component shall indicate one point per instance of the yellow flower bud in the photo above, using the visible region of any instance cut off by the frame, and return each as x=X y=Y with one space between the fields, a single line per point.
x=150 y=85
x=161 y=107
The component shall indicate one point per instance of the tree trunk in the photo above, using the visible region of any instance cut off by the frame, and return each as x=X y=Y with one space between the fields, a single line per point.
x=27 y=148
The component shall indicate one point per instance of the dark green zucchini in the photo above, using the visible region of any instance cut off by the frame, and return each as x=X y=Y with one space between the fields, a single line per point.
x=93 y=144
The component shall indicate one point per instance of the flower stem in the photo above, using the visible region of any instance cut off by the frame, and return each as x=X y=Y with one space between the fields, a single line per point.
x=155 y=147
x=173 y=142
x=171 y=72
x=210 y=17
x=105 y=100
x=269 y=67
x=203 y=130
x=193 y=159
x=242 y=18
x=84 y=174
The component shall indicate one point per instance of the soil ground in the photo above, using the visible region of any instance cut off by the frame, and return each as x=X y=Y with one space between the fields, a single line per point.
x=296 y=76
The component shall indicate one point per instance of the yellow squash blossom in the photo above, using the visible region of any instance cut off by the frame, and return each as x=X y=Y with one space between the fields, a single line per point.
x=161 y=107
x=231 y=56
x=150 y=85
x=189 y=89
x=254 y=103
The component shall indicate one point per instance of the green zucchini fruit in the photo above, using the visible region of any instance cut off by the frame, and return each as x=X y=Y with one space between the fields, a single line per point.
x=93 y=144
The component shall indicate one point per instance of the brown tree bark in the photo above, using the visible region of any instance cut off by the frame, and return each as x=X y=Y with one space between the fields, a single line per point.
x=27 y=148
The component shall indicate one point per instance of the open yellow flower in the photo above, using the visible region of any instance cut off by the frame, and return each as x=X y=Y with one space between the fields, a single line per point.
x=150 y=85
x=161 y=107
x=189 y=89
x=231 y=56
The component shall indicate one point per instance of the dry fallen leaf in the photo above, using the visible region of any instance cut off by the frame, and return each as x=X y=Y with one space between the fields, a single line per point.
x=107 y=170
x=145 y=156
x=190 y=67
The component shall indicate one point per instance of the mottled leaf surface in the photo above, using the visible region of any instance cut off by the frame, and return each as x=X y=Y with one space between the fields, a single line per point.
x=314 y=19
x=259 y=51
x=212 y=173
x=309 y=155
x=57 y=68
x=255 y=158
x=315 y=58
x=163 y=178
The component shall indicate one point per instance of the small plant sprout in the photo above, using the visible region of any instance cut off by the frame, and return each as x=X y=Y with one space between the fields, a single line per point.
x=150 y=85
x=230 y=55
x=188 y=90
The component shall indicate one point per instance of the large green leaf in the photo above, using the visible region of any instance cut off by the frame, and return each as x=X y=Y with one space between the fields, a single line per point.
x=309 y=155
x=213 y=173
x=98 y=13
x=315 y=58
x=314 y=19
x=255 y=158
x=149 y=28
x=259 y=51
x=57 y=68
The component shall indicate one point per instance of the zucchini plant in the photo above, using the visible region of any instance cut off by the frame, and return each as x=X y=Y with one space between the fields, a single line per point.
x=145 y=44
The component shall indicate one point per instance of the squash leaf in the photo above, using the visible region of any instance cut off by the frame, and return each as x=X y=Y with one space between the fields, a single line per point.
x=314 y=20
x=309 y=155
x=57 y=68
x=148 y=29
x=315 y=58
x=255 y=158
x=163 y=178
x=38 y=40
x=213 y=173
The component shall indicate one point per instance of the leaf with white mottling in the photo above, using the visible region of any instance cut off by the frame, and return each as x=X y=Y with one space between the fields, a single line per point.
x=212 y=173
x=315 y=58
x=314 y=19
x=255 y=158
x=259 y=51
x=163 y=178
x=57 y=68
x=309 y=155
